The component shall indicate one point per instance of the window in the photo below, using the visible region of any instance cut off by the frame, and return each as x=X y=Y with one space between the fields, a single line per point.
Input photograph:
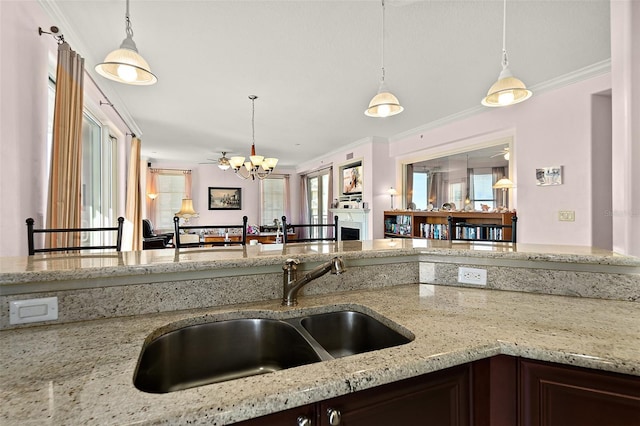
x=420 y=185
x=171 y=186
x=274 y=198
x=318 y=196
x=98 y=182
x=482 y=189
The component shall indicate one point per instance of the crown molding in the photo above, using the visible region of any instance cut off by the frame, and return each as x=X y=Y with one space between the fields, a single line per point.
x=581 y=74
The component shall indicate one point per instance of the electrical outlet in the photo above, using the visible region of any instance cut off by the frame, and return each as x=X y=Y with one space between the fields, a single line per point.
x=472 y=276
x=567 y=216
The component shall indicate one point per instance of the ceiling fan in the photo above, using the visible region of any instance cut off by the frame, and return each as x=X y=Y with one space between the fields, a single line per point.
x=223 y=162
x=505 y=153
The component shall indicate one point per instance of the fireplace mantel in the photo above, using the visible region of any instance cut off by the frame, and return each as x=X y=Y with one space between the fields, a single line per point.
x=353 y=218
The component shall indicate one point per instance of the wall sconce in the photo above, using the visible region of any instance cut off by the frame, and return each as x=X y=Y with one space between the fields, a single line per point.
x=152 y=196
x=392 y=192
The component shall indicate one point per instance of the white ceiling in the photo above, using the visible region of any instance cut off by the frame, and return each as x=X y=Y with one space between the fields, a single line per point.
x=316 y=64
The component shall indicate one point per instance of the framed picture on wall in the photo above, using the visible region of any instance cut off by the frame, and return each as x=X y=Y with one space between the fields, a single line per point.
x=225 y=198
x=546 y=176
x=352 y=179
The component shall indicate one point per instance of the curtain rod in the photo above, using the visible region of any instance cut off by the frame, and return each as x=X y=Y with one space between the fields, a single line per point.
x=108 y=102
x=60 y=39
x=154 y=170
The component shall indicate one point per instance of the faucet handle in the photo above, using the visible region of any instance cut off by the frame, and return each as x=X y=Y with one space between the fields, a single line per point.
x=290 y=263
x=337 y=266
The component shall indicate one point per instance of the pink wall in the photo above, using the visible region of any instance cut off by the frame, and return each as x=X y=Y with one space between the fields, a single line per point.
x=23 y=120
x=552 y=128
x=26 y=59
x=625 y=70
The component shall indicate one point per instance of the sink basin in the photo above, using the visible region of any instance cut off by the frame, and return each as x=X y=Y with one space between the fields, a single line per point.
x=214 y=352
x=346 y=333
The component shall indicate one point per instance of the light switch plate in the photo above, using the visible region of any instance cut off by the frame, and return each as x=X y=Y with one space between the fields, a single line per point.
x=33 y=310
x=567 y=216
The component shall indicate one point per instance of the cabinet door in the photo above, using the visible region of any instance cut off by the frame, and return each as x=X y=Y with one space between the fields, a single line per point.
x=441 y=398
x=554 y=395
x=292 y=417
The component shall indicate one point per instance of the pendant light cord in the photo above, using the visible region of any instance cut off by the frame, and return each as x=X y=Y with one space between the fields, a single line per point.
x=382 y=39
x=129 y=29
x=253 y=121
x=505 y=62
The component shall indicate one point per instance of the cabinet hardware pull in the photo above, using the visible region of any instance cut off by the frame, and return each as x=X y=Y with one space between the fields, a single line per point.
x=333 y=416
x=304 y=421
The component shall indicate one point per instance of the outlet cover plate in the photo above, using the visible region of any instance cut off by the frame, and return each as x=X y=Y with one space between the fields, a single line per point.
x=567 y=216
x=472 y=276
x=33 y=310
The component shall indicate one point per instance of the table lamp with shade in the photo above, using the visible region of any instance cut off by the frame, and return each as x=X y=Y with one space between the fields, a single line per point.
x=186 y=211
x=504 y=184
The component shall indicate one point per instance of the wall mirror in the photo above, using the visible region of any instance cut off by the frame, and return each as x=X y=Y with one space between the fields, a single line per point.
x=460 y=182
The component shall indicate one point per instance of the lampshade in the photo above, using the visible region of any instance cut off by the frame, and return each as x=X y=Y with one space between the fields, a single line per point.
x=384 y=104
x=125 y=65
x=392 y=191
x=152 y=195
x=508 y=90
x=186 y=211
x=503 y=183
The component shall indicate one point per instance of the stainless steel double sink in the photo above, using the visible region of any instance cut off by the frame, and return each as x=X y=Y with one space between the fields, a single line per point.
x=214 y=352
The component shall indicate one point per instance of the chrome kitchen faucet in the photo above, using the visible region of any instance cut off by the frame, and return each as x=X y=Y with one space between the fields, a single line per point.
x=291 y=283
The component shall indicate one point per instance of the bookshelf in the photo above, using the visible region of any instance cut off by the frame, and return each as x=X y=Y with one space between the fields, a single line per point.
x=443 y=225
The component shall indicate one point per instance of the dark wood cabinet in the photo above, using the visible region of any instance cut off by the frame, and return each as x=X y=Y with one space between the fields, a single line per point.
x=558 y=395
x=440 y=398
x=497 y=391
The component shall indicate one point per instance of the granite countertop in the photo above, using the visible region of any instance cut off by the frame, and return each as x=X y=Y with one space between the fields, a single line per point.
x=58 y=267
x=81 y=373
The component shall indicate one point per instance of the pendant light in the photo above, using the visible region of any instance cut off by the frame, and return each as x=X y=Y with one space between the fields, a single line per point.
x=508 y=90
x=125 y=65
x=384 y=104
x=257 y=166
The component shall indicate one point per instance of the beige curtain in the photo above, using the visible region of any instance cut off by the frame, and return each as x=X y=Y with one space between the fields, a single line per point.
x=409 y=186
x=64 y=204
x=133 y=210
x=152 y=188
x=498 y=194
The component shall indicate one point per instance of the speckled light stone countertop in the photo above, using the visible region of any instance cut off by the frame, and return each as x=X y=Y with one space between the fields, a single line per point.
x=59 y=267
x=81 y=373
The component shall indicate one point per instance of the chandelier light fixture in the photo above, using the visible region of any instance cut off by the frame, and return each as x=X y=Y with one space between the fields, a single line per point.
x=257 y=166
x=508 y=90
x=384 y=103
x=125 y=65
